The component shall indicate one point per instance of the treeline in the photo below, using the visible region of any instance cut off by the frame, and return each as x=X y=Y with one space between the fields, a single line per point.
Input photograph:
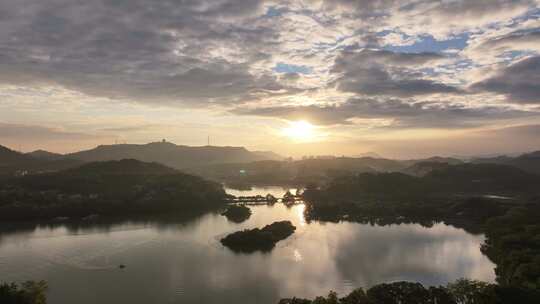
x=443 y=182
x=462 y=291
x=29 y=292
x=110 y=188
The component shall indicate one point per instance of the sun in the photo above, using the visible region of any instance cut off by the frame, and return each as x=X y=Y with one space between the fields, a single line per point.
x=299 y=130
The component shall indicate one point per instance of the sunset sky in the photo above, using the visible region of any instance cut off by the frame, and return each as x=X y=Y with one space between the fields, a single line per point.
x=400 y=78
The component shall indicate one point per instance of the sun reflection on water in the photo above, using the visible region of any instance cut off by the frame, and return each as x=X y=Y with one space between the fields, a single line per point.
x=297 y=256
x=300 y=213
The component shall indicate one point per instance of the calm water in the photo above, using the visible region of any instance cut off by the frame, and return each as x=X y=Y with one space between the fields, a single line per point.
x=183 y=261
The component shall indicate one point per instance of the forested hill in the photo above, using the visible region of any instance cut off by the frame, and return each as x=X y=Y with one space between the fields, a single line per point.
x=107 y=188
x=467 y=179
x=529 y=162
x=13 y=163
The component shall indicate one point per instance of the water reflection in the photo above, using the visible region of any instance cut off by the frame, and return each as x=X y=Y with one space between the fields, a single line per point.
x=182 y=261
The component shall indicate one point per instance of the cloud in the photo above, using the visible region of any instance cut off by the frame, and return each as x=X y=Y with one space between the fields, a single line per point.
x=32 y=137
x=269 y=58
x=380 y=72
x=511 y=139
x=518 y=40
x=19 y=131
x=401 y=114
x=519 y=82
x=159 y=51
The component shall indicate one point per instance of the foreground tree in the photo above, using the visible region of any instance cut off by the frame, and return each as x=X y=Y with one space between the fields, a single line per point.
x=29 y=292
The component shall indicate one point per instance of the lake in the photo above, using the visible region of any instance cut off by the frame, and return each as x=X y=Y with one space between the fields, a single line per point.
x=183 y=261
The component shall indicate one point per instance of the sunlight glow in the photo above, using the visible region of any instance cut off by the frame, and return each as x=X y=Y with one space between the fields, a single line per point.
x=300 y=130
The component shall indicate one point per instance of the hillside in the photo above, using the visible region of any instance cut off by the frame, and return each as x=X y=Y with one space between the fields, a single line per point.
x=8 y=157
x=44 y=155
x=423 y=168
x=446 y=181
x=172 y=155
x=315 y=170
x=107 y=188
x=13 y=162
x=529 y=162
x=291 y=172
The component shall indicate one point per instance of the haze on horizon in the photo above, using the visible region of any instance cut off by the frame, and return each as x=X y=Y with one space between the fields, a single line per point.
x=404 y=79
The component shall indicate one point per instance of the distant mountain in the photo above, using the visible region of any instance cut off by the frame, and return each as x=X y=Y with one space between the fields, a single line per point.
x=368 y=154
x=529 y=162
x=446 y=160
x=45 y=155
x=8 y=157
x=12 y=162
x=424 y=167
x=172 y=155
x=294 y=172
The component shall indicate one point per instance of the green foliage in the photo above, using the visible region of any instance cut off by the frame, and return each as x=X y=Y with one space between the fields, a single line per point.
x=114 y=187
x=462 y=291
x=29 y=292
x=259 y=239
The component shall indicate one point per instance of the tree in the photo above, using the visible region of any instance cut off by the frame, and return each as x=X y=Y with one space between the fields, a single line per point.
x=29 y=292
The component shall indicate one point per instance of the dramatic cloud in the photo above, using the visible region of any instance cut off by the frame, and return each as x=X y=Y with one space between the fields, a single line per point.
x=400 y=114
x=520 y=82
x=143 y=50
x=101 y=65
x=518 y=40
x=378 y=72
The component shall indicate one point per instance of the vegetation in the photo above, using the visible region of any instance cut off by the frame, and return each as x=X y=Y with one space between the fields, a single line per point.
x=29 y=292
x=462 y=291
x=13 y=163
x=237 y=213
x=453 y=195
x=324 y=169
x=106 y=188
x=259 y=239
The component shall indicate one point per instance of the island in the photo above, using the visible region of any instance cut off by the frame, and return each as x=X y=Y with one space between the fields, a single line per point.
x=237 y=213
x=264 y=239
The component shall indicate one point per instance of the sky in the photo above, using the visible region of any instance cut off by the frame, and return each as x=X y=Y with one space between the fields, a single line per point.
x=404 y=79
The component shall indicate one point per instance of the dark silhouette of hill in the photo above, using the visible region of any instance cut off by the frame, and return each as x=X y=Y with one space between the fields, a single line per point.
x=44 y=155
x=529 y=162
x=469 y=179
x=438 y=159
x=8 y=156
x=294 y=172
x=424 y=167
x=314 y=169
x=172 y=155
x=13 y=162
x=107 y=188
x=485 y=177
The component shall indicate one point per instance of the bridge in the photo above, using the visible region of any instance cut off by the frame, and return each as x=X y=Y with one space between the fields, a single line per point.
x=288 y=198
